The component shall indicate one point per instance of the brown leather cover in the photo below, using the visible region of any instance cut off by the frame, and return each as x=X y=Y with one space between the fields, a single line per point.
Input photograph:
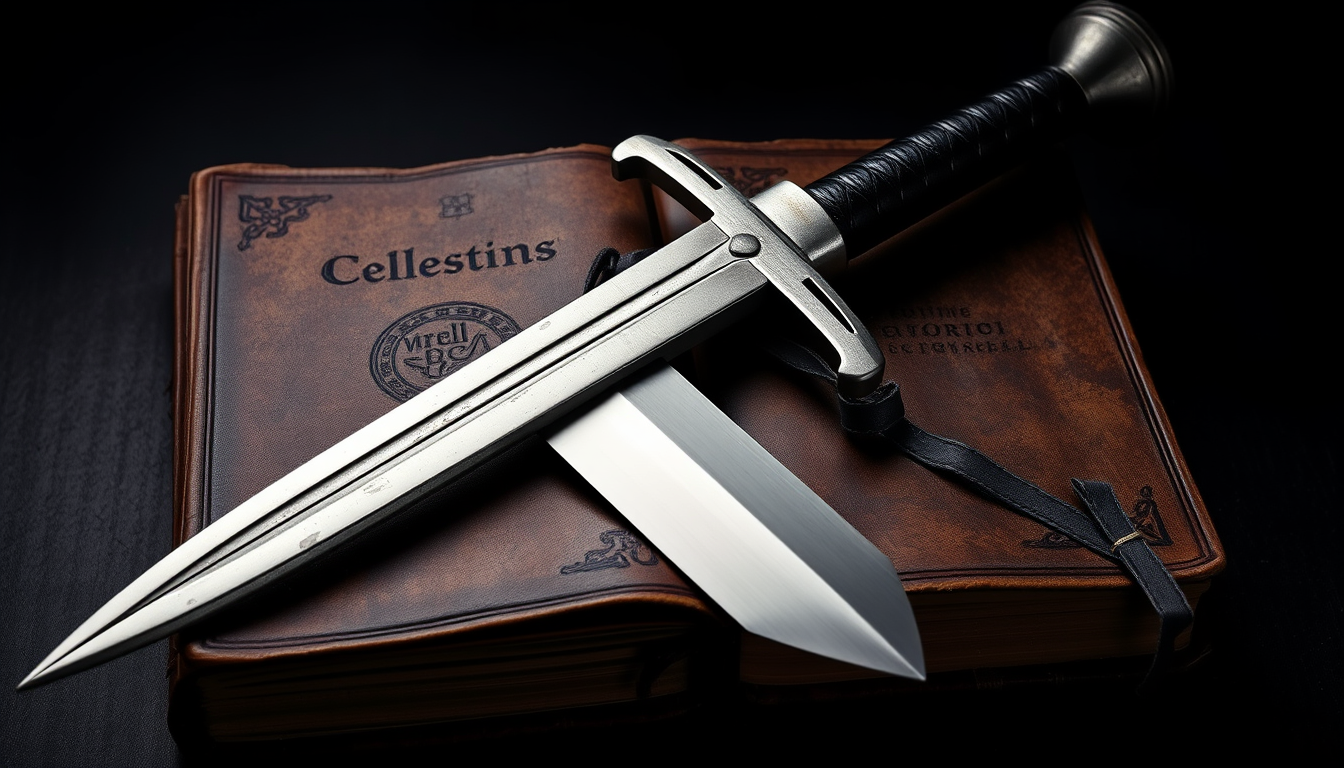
x=299 y=288
x=1000 y=321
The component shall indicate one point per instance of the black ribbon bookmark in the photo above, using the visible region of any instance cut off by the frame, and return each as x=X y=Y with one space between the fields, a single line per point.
x=1104 y=528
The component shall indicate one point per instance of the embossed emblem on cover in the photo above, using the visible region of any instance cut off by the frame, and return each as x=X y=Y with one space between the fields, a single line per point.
x=455 y=206
x=422 y=347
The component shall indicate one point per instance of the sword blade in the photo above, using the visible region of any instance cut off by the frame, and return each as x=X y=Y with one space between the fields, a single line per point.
x=654 y=310
x=742 y=527
x=1108 y=60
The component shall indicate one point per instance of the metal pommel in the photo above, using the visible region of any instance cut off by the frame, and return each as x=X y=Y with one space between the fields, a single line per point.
x=1119 y=62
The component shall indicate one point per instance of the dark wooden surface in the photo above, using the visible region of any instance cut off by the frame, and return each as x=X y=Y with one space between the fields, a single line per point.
x=1205 y=228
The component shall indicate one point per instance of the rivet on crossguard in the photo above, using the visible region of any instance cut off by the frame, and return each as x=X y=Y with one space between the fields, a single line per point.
x=744 y=245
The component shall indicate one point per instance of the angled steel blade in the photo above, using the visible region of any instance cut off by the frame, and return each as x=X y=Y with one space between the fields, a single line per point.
x=709 y=277
x=747 y=531
x=656 y=309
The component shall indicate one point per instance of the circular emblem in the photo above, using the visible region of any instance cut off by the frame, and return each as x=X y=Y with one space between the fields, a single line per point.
x=424 y=346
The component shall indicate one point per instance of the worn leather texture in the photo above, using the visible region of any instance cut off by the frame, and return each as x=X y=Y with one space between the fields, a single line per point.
x=300 y=321
x=895 y=186
x=998 y=317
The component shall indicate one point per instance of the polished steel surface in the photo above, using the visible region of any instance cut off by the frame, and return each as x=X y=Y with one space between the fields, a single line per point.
x=759 y=542
x=805 y=223
x=509 y=393
x=855 y=355
x=87 y=464
x=652 y=311
x=1120 y=63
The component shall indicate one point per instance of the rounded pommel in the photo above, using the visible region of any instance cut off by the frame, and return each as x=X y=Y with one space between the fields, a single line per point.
x=1119 y=62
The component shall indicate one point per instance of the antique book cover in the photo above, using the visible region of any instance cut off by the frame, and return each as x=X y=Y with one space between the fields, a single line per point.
x=311 y=301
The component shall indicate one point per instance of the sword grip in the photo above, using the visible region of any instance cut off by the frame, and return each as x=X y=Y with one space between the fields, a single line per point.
x=891 y=188
x=1108 y=68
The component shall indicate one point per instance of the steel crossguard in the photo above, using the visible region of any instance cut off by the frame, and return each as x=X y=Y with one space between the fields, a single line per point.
x=838 y=599
x=782 y=233
x=655 y=310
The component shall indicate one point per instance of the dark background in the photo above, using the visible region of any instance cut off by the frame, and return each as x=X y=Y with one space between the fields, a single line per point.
x=1212 y=232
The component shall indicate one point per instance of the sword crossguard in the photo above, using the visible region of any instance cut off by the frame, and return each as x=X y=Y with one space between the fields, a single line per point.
x=784 y=233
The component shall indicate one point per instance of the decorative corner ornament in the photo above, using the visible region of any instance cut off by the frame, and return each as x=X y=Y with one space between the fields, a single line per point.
x=1145 y=518
x=621 y=549
x=262 y=218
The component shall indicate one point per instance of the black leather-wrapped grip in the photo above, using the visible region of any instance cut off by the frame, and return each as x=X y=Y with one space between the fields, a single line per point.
x=891 y=188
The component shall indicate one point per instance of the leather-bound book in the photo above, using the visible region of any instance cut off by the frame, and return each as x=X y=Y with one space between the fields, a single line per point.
x=312 y=301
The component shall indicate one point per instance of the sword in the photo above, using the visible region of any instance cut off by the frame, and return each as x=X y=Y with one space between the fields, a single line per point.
x=812 y=581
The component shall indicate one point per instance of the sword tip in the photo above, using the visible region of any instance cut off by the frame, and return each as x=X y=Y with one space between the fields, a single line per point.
x=52 y=669
x=33 y=680
x=61 y=663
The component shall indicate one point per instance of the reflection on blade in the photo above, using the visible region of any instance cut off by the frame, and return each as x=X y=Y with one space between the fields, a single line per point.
x=652 y=310
x=748 y=532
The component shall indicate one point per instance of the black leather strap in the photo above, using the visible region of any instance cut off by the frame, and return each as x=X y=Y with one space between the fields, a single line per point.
x=1142 y=564
x=609 y=262
x=895 y=186
x=1104 y=528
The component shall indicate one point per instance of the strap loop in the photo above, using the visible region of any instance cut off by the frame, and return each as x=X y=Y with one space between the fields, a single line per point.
x=1105 y=521
x=1123 y=539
